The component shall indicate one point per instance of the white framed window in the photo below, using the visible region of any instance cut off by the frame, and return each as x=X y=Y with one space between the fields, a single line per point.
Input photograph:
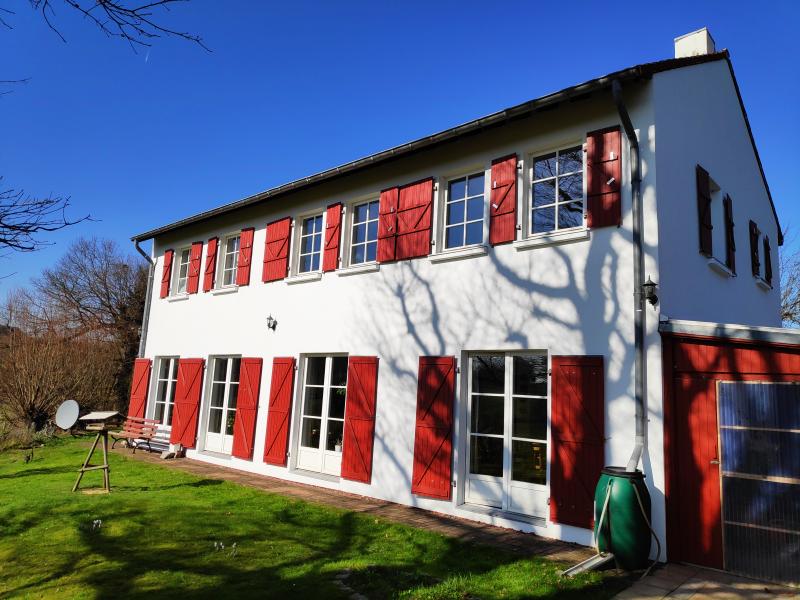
x=465 y=209
x=364 y=232
x=557 y=191
x=322 y=409
x=164 y=399
x=228 y=260
x=310 y=247
x=223 y=394
x=182 y=271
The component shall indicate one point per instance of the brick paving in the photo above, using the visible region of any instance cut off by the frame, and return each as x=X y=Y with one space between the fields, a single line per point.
x=525 y=544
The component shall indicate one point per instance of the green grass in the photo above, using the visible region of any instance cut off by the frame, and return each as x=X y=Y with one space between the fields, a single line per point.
x=159 y=528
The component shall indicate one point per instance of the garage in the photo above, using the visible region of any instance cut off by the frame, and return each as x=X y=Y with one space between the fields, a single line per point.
x=732 y=448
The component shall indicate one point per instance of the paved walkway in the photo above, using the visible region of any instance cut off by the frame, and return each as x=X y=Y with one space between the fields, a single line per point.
x=526 y=544
x=681 y=582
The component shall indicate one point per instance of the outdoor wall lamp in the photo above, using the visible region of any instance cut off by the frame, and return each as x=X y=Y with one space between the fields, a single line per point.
x=271 y=323
x=649 y=289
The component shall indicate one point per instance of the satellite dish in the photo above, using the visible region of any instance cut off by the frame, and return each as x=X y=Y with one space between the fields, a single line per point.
x=67 y=414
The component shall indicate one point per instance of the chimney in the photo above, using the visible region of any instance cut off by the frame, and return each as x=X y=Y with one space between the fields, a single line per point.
x=695 y=43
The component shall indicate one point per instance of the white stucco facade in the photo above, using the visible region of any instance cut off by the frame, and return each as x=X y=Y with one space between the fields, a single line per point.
x=568 y=295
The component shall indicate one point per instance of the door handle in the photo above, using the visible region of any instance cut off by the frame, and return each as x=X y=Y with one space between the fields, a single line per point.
x=714 y=461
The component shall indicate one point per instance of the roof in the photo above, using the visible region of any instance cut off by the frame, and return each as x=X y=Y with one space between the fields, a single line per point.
x=638 y=72
x=772 y=335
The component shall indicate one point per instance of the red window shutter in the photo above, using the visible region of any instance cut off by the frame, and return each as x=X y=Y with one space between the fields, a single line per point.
x=245 y=256
x=577 y=432
x=211 y=265
x=193 y=284
x=414 y=220
x=767 y=261
x=387 y=225
x=187 y=401
x=755 y=263
x=333 y=233
x=276 y=250
x=730 y=238
x=244 y=424
x=140 y=383
x=604 y=175
x=704 y=210
x=280 y=406
x=359 y=418
x=434 y=430
x=503 y=205
x=166 y=273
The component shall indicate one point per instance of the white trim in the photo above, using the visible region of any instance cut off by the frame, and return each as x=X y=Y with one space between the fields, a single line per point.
x=231 y=289
x=296 y=240
x=565 y=236
x=369 y=267
x=720 y=268
x=762 y=283
x=177 y=298
x=219 y=279
x=459 y=253
x=304 y=277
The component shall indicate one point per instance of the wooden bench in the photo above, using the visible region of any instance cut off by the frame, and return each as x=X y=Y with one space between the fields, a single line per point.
x=136 y=430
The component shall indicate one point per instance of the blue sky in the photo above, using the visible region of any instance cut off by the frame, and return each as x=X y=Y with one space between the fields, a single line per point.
x=139 y=140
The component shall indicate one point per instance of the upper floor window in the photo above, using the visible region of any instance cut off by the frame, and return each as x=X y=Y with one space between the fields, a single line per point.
x=557 y=191
x=310 y=244
x=464 y=211
x=230 y=260
x=165 y=390
x=364 y=238
x=183 y=271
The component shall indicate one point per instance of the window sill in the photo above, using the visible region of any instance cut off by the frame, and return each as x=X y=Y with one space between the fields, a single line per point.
x=180 y=298
x=553 y=239
x=720 y=268
x=458 y=254
x=231 y=289
x=357 y=269
x=762 y=283
x=303 y=278
x=503 y=514
x=317 y=475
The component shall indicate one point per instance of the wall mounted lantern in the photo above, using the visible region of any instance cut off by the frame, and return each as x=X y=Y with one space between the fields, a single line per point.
x=271 y=323
x=649 y=290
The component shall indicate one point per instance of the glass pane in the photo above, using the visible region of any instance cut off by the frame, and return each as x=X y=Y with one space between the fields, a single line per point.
x=232 y=245
x=306 y=244
x=318 y=224
x=334 y=441
x=570 y=160
x=486 y=456
x=529 y=462
x=455 y=212
x=317 y=242
x=474 y=233
x=220 y=369
x=360 y=214
x=229 y=420
x=315 y=370
x=544 y=166
x=373 y=210
x=570 y=188
x=544 y=192
x=174 y=363
x=454 y=236
x=488 y=414
x=215 y=420
x=475 y=185
x=159 y=412
x=530 y=375
x=309 y=437
x=308 y=226
x=233 y=395
x=161 y=391
x=475 y=208
x=488 y=374
x=371 y=250
x=163 y=368
x=313 y=402
x=339 y=371
x=217 y=394
x=530 y=418
x=359 y=233
x=336 y=405
x=315 y=262
x=228 y=277
x=170 y=412
x=305 y=263
x=544 y=219
x=570 y=215
x=457 y=189
x=372 y=231
x=236 y=363
x=358 y=255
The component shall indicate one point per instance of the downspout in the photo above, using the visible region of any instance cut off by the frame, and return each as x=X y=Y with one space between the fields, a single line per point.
x=638 y=275
x=146 y=315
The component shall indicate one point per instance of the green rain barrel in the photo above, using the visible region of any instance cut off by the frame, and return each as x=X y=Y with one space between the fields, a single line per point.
x=624 y=530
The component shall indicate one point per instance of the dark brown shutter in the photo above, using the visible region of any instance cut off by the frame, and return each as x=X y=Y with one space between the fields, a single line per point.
x=730 y=239
x=704 y=210
x=604 y=178
x=767 y=261
x=755 y=264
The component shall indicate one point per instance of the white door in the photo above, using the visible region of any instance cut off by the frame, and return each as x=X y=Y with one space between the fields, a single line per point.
x=322 y=414
x=222 y=404
x=507 y=432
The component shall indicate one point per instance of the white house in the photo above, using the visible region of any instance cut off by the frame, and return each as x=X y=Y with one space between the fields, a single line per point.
x=452 y=323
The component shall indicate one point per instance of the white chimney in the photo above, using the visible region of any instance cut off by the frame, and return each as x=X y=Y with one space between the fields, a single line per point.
x=695 y=43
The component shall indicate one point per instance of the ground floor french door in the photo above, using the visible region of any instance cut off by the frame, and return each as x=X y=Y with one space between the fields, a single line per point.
x=507 y=432
x=222 y=404
x=322 y=414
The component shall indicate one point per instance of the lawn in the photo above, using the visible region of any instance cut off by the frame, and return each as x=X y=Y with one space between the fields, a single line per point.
x=166 y=533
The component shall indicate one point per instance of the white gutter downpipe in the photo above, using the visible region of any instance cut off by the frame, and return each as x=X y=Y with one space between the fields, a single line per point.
x=638 y=277
x=146 y=315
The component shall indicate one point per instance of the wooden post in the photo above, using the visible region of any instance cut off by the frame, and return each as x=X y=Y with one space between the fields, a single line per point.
x=101 y=432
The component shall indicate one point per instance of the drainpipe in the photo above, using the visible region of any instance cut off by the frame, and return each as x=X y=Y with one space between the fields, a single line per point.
x=146 y=315
x=638 y=275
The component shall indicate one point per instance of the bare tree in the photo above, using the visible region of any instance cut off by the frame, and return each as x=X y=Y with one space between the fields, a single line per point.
x=790 y=287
